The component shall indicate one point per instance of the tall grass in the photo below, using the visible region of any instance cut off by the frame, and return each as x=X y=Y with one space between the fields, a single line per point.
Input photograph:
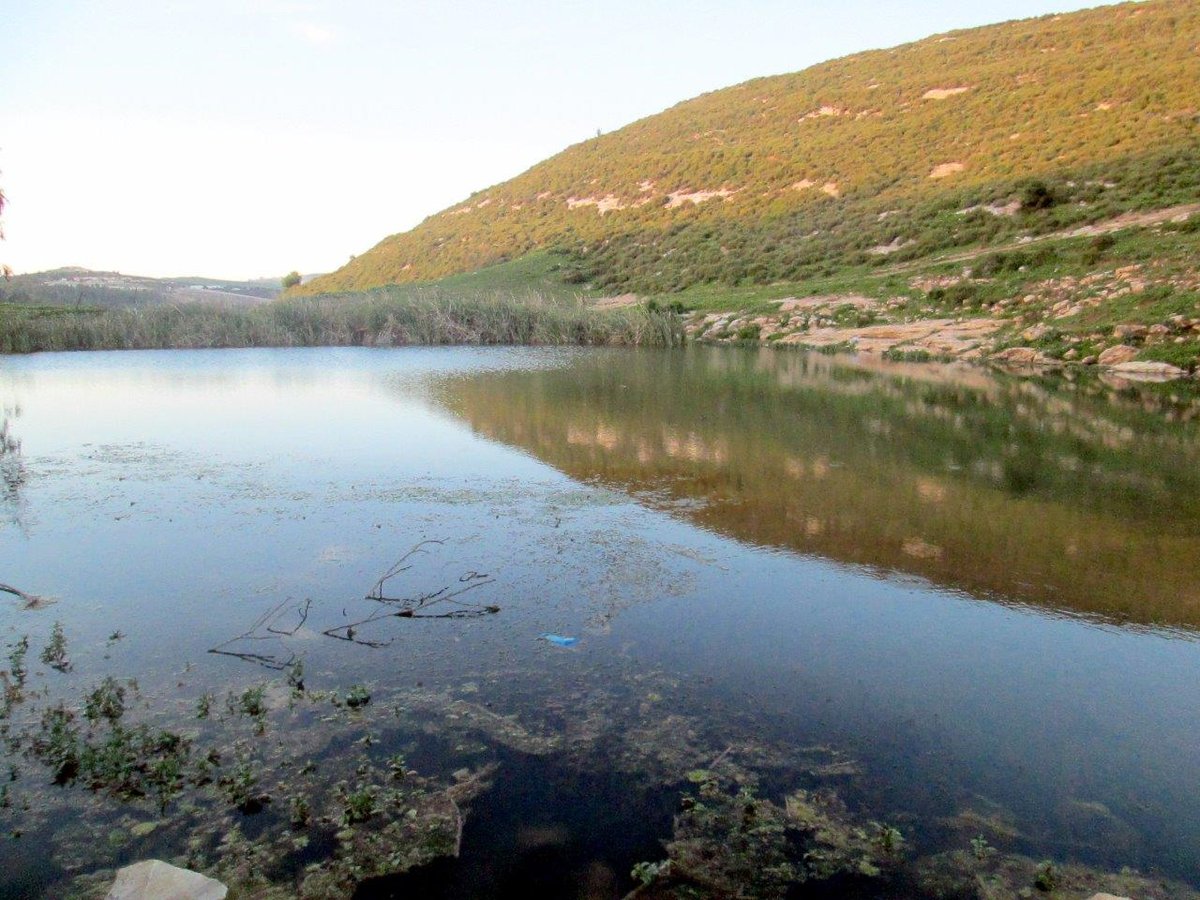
x=383 y=317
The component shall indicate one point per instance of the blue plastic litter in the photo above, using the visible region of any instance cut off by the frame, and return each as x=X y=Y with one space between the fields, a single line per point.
x=560 y=640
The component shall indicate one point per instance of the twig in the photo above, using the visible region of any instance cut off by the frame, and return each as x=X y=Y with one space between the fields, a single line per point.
x=299 y=625
x=376 y=593
x=264 y=622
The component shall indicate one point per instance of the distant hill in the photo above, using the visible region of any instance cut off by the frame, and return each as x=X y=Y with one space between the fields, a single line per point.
x=76 y=286
x=958 y=139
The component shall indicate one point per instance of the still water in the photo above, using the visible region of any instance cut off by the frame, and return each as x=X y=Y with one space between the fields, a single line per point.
x=962 y=604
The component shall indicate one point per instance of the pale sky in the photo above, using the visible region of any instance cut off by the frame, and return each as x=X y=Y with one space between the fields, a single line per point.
x=245 y=139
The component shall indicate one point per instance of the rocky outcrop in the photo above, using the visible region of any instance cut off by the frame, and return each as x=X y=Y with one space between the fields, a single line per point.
x=153 y=879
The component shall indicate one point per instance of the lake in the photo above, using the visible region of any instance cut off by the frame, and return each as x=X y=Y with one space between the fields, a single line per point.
x=328 y=616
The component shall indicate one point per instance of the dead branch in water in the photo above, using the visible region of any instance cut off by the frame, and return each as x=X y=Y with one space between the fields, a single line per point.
x=28 y=601
x=376 y=593
x=416 y=607
x=274 y=661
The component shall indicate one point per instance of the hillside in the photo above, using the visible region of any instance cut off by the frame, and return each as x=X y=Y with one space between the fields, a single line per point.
x=962 y=140
x=75 y=286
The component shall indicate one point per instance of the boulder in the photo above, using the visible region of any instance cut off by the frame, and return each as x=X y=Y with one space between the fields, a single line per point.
x=1121 y=353
x=1129 y=331
x=1022 y=356
x=153 y=879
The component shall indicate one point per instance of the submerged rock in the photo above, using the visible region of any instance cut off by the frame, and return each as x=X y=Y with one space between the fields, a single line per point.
x=153 y=879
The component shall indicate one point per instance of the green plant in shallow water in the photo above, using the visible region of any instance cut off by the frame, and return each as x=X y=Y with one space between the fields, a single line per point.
x=1047 y=877
x=57 y=743
x=980 y=848
x=299 y=812
x=253 y=701
x=645 y=873
x=239 y=787
x=358 y=696
x=107 y=701
x=54 y=654
x=360 y=806
x=16 y=660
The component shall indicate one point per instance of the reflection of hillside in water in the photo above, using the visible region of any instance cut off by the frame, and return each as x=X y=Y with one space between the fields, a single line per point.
x=1074 y=497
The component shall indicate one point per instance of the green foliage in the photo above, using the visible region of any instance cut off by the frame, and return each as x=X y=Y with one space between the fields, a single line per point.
x=1076 y=117
x=107 y=701
x=645 y=873
x=290 y=280
x=1037 y=195
x=359 y=806
x=980 y=848
x=358 y=696
x=1047 y=877
x=16 y=660
x=390 y=316
x=54 y=654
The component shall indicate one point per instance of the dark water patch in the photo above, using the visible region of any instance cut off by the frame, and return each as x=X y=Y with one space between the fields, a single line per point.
x=546 y=829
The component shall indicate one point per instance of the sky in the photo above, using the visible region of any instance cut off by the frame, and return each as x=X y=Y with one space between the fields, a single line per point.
x=248 y=138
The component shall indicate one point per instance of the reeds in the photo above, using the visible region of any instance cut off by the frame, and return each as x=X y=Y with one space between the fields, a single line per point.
x=384 y=317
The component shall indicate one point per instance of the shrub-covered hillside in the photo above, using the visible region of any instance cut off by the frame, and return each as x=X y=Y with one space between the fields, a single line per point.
x=883 y=155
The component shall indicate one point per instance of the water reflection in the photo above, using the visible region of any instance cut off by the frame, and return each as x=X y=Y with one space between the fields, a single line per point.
x=1074 y=496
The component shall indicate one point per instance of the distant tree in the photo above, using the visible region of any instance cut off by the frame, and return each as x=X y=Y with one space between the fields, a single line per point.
x=290 y=280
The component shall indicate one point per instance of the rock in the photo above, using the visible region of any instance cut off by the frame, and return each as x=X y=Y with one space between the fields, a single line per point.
x=1035 y=332
x=1122 y=353
x=153 y=879
x=1129 y=331
x=1071 y=354
x=1159 y=330
x=1148 y=371
x=1090 y=360
x=1106 y=897
x=1022 y=356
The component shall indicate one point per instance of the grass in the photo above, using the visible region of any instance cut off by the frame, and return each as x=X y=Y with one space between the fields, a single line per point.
x=443 y=314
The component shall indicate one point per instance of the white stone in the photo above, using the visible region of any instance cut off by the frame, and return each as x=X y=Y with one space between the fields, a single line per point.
x=153 y=879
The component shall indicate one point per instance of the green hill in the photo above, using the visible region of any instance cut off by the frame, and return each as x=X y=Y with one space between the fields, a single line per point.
x=966 y=139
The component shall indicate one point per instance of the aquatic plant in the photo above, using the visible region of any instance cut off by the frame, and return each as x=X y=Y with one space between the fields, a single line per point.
x=106 y=701
x=239 y=787
x=54 y=654
x=384 y=317
x=299 y=812
x=204 y=705
x=57 y=743
x=645 y=873
x=358 y=696
x=252 y=701
x=359 y=806
x=295 y=676
x=16 y=660
x=1047 y=877
x=398 y=766
x=980 y=848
